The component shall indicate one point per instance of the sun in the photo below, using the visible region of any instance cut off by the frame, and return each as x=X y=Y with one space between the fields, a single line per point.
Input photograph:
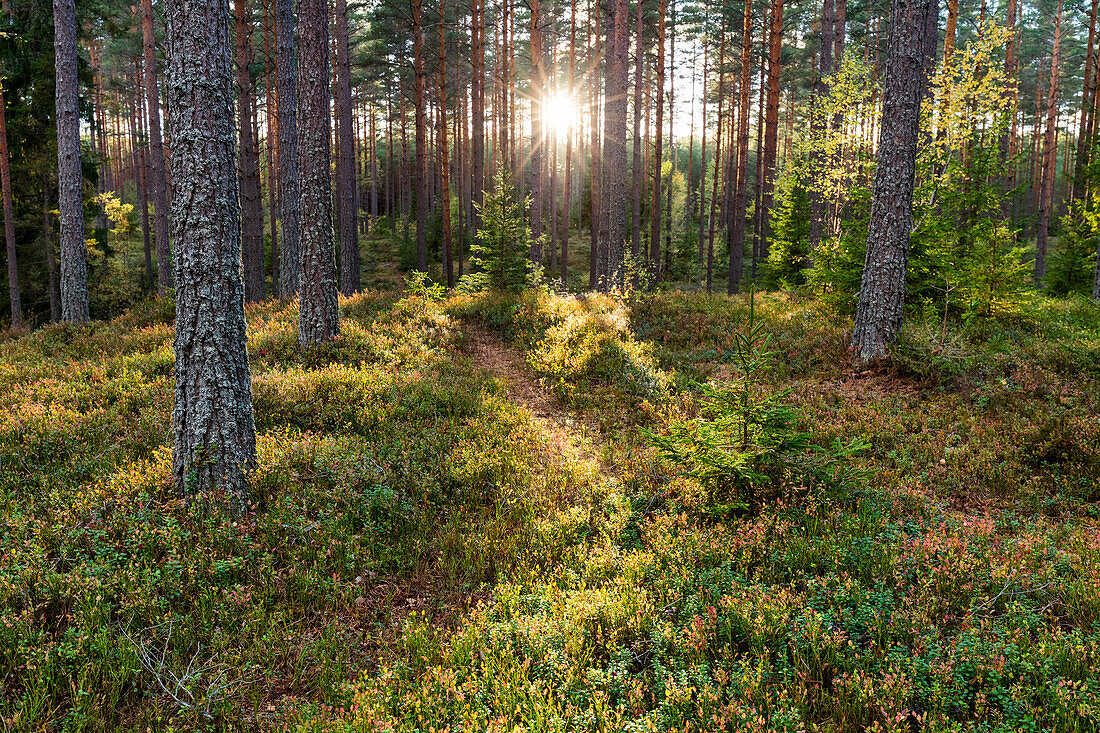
x=560 y=112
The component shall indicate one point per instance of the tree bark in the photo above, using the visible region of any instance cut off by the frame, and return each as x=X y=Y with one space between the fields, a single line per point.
x=638 y=162
x=420 y=104
x=252 y=225
x=817 y=125
x=1049 y=158
x=9 y=222
x=537 y=131
x=319 y=315
x=477 y=98
x=911 y=47
x=346 y=190
x=74 y=267
x=614 y=146
x=289 y=194
x=771 y=124
x=658 y=152
x=737 y=230
x=212 y=420
x=156 y=152
x=444 y=154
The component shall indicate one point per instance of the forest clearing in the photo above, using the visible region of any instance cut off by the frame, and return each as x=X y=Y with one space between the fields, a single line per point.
x=557 y=365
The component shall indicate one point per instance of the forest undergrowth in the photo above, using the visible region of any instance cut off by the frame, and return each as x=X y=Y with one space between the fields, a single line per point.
x=462 y=521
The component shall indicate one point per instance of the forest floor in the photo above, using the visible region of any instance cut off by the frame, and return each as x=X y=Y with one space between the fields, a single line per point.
x=463 y=520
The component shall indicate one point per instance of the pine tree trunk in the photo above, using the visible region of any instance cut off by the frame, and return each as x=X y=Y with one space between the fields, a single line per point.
x=817 y=125
x=614 y=155
x=638 y=163
x=156 y=152
x=271 y=103
x=346 y=190
x=595 y=164
x=771 y=124
x=51 y=260
x=444 y=155
x=9 y=221
x=319 y=316
x=477 y=96
x=213 y=422
x=74 y=267
x=420 y=105
x=537 y=131
x=911 y=47
x=141 y=163
x=658 y=152
x=715 y=184
x=251 y=217
x=1049 y=158
x=289 y=193
x=737 y=230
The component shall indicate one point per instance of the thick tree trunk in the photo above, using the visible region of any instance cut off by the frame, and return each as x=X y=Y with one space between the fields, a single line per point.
x=252 y=224
x=319 y=315
x=213 y=422
x=911 y=48
x=289 y=194
x=1049 y=158
x=346 y=190
x=9 y=222
x=567 y=194
x=614 y=146
x=156 y=152
x=74 y=266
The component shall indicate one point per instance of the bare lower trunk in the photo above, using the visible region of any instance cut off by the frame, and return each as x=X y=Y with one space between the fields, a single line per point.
x=614 y=152
x=911 y=47
x=252 y=227
x=74 y=267
x=346 y=190
x=9 y=222
x=156 y=152
x=212 y=420
x=289 y=203
x=1049 y=159
x=319 y=316
x=420 y=103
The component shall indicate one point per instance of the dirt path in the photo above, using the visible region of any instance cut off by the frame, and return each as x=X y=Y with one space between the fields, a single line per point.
x=567 y=434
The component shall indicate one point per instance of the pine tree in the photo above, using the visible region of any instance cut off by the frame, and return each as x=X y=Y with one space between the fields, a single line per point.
x=212 y=420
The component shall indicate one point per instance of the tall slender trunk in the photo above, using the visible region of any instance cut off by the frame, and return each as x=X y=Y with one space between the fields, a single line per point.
x=1083 y=140
x=736 y=232
x=1049 y=157
x=477 y=98
x=717 y=158
x=212 y=420
x=703 y=165
x=672 y=149
x=420 y=104
x=638 y=163
x=9 y=221
x=658 y=152
x=51 y=259
x=595 y=164
x=251 y=216
x=319 y=315
x=911 y=48
x=290 y=267
x=271 y=104
x=156 y=151
x=346 y=190
x=818 y=124
x=771 y=123
x=444 y=156
x=141 y=156
x=537 y=131
x=74 y=266
x=567 y=194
